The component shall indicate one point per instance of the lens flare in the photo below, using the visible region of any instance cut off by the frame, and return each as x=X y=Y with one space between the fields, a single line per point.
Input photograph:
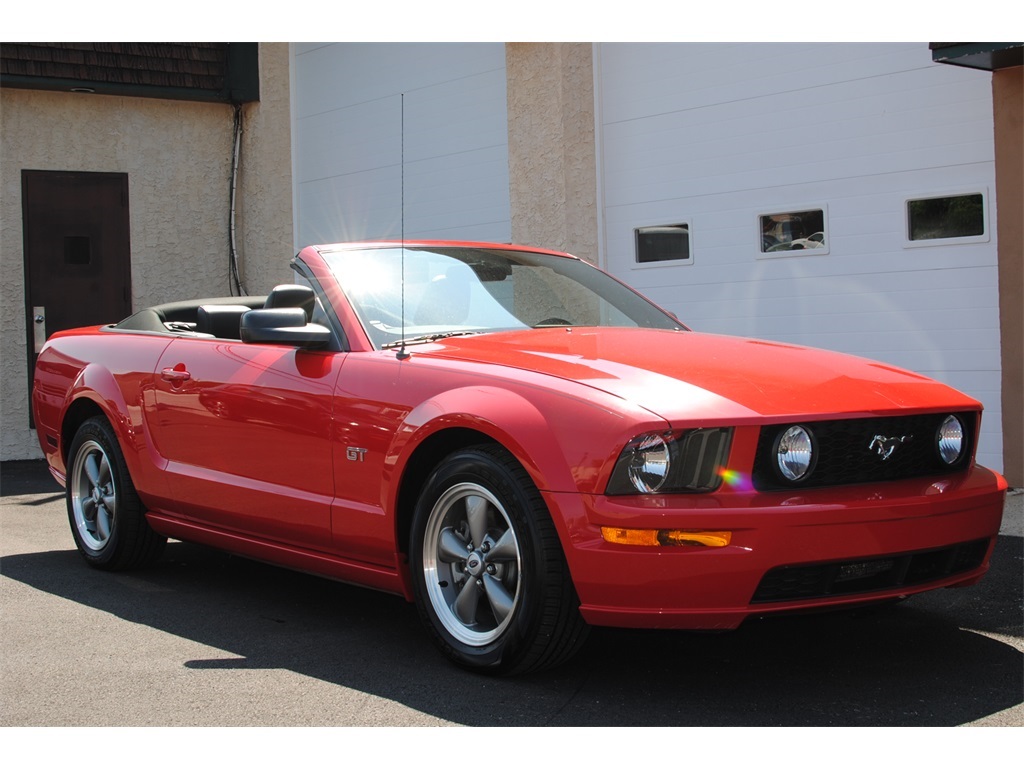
x=735 y=480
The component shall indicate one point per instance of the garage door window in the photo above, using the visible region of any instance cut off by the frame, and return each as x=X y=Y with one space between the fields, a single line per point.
x=793 y=233
x=954 y=218
x=667 y=244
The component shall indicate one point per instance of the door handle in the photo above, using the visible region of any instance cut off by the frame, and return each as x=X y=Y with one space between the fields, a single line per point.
x=175 y=375
x=39 y=328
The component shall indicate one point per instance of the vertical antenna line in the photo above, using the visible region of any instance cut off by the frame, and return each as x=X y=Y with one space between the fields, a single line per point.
x=402 y=354
x=402 y=162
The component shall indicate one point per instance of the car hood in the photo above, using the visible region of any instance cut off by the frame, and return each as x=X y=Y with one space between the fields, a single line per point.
x=686 y=375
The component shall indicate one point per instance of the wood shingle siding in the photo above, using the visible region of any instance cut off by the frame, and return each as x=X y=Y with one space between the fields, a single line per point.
x=193 y=71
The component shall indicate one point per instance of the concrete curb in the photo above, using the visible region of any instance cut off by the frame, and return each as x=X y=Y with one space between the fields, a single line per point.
x=1013 y=513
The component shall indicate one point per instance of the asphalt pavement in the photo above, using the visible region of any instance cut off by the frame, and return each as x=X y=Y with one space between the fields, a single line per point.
x=209 y=639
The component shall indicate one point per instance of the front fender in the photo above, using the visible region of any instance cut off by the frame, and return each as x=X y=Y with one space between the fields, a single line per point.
x=565 y=438
x=504 y=416
x=565 y=441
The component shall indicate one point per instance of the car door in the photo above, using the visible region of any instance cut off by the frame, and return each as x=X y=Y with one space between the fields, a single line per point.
x=245 y=430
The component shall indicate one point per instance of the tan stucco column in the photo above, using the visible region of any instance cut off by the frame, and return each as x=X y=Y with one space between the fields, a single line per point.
x=1007 y=98
x=265 y=221
x=551 y=151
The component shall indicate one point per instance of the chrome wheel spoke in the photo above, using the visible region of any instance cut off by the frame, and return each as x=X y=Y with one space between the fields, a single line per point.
x=504 y=549
x=104 y=470
x=465 y=605
x=476 y=516
x=103 y=523
x=451 y=548
x=92 y=468
x=498 y=597
x=89 y=509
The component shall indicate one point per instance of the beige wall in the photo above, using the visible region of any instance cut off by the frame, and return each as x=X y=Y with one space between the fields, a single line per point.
x=265 y=225
x=177 y=156
x=1007 y=98
x=551 y=152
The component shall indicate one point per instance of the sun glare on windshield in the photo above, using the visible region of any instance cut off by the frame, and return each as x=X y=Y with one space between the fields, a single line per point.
x=459 y=290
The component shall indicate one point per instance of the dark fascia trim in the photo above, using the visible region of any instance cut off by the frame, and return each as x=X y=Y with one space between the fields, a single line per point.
x=987 y=56
x=241 y=83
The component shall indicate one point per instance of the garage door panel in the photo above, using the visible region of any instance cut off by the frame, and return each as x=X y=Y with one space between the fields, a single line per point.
x=401 y=138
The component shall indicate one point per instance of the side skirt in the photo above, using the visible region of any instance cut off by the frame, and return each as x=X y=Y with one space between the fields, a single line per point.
x=317 y=563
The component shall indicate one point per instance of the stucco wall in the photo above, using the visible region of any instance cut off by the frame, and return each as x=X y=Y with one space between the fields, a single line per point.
x=177 y=156
x=552 y=171
x=264 y=215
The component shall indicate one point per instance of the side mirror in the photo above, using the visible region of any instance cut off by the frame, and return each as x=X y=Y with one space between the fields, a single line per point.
x=285 y=325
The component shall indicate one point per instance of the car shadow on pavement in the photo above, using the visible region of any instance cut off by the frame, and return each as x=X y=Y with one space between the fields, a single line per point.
x=926 y=661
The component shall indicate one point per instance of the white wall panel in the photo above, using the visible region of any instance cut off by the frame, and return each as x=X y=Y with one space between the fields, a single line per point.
x=715 y=135
x=354 y=165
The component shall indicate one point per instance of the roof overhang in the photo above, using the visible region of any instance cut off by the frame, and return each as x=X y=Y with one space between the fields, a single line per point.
x=211 y=72
x=988 y=56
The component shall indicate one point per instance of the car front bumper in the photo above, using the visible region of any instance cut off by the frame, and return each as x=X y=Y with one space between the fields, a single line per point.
x=789 y=551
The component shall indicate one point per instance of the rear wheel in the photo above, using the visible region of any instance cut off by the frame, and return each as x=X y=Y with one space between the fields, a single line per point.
x=491 y=581
x=107 y=518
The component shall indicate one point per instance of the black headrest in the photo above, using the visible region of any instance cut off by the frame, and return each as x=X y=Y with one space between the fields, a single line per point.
x=221 y=320
x=292 y=295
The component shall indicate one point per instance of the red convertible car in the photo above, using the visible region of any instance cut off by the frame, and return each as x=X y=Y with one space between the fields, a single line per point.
x=518 y=443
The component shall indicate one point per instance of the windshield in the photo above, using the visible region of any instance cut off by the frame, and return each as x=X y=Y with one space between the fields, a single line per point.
x=457 y=290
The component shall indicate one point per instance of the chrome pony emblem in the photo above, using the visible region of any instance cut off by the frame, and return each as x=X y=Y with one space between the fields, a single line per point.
x=884 y=446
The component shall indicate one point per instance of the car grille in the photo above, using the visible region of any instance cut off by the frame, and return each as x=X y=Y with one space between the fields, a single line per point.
x=844 y=453
x=803 y=582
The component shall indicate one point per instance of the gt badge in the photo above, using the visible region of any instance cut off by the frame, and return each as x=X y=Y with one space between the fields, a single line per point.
x=355 y=454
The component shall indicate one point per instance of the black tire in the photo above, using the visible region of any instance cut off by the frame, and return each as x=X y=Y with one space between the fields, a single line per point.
x=490 y=578
x=108 y=520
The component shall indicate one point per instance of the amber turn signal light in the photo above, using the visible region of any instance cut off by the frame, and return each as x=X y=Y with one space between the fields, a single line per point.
x=649 y=537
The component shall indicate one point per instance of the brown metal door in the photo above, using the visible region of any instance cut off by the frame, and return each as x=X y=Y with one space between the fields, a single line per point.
x=77 y=252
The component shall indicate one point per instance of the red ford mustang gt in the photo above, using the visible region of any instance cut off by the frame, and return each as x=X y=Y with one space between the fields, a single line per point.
x=517 y=442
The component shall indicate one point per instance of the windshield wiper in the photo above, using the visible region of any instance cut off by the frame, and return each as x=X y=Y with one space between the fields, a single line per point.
x=427 y=337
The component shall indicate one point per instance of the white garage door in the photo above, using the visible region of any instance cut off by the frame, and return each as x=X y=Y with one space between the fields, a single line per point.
x=348 y=146
x=835 y=195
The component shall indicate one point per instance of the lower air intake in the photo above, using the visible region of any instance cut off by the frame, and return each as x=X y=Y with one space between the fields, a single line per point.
x=803 y=582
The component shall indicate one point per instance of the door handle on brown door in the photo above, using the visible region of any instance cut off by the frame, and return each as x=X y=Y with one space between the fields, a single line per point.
x=39 y=327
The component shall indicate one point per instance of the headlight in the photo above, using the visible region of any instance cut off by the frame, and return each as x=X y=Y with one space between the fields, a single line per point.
x=649 y=464
x=684 y=462
x=950 y=440
x=794 y=453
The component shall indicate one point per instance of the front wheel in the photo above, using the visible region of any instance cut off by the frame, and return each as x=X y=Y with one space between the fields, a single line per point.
x=491 y=581
x=107 y=517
